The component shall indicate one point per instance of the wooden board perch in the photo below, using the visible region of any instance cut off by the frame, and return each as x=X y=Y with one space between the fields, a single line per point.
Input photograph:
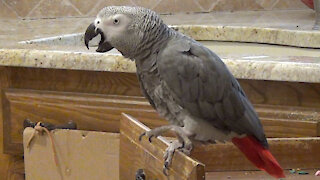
x=148 y=156
x=290 y=152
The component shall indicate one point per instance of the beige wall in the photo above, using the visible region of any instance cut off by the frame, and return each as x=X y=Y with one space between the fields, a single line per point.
x=67 y=8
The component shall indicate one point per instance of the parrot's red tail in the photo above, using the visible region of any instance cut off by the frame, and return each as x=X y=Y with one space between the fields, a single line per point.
x=259 y=156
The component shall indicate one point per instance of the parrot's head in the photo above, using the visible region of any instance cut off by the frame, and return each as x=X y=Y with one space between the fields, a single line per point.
x=121 y=27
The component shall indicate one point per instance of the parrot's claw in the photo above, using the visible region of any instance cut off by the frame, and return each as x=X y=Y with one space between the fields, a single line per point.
x=186 y=150
x=165 y=169
x=150 y=138
x=154 y=133
x=149 y=134
x=168 y=155
x=141 y=135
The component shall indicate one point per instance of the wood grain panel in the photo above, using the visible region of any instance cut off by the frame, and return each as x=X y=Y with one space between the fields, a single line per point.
x=259 y=91
x=290 y=128
x=149 y=156
x=11 y=167
x=282 y=93
x=90 y=112
x=96 y=82
x=102 y=113
x=275 y=101
x=16 y=169
x=290 y=152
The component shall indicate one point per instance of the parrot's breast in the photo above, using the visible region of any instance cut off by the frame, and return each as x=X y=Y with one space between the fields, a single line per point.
x=202 y=130
x=159 y=96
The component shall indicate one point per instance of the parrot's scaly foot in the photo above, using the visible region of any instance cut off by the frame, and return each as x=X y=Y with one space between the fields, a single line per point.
x=154 y=132
x=168 y=155
x=183 y=143
x=162 y=129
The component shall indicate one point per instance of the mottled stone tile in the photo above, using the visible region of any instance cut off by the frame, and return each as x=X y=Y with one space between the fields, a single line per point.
x=148 y=3
x=116 y=3
x=308 y=3
x=103 y=3
x=22 y=7
x=66 y=8
x=232 y=5
x=84 y=6
x=267 y=4
x=54 y=8
x=178 y=6
x=206 y=5
x=5 y=12
x=290 y=4
x=254 y=26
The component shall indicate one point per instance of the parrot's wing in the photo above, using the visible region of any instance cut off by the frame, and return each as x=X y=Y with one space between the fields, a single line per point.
x=146 y=95
x=201 y=83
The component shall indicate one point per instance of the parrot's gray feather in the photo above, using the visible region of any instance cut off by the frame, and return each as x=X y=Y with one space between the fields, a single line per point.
x=145 y=94
x=184 y=81
x=201 y=84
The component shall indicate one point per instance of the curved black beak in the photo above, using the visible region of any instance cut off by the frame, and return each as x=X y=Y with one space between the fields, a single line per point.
x=104 y=46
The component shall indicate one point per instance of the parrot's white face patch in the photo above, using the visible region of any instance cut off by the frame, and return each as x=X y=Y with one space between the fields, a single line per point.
x=113 y=26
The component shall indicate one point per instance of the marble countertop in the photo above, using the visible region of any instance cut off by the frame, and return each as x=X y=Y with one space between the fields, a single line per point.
x=287 y=28
x=250 y=67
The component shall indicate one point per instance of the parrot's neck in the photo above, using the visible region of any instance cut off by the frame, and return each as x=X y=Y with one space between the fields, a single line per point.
x=152 y=42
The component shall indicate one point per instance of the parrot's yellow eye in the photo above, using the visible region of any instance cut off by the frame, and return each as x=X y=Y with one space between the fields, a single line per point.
x=115 y=21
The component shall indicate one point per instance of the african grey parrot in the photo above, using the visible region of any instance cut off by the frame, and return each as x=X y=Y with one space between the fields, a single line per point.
x=186 y=83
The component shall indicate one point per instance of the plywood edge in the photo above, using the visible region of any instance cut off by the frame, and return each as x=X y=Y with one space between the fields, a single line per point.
x=183 y=165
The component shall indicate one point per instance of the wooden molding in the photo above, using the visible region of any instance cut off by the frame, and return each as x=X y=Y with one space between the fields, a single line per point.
x=16 y=169
x=102 y=113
